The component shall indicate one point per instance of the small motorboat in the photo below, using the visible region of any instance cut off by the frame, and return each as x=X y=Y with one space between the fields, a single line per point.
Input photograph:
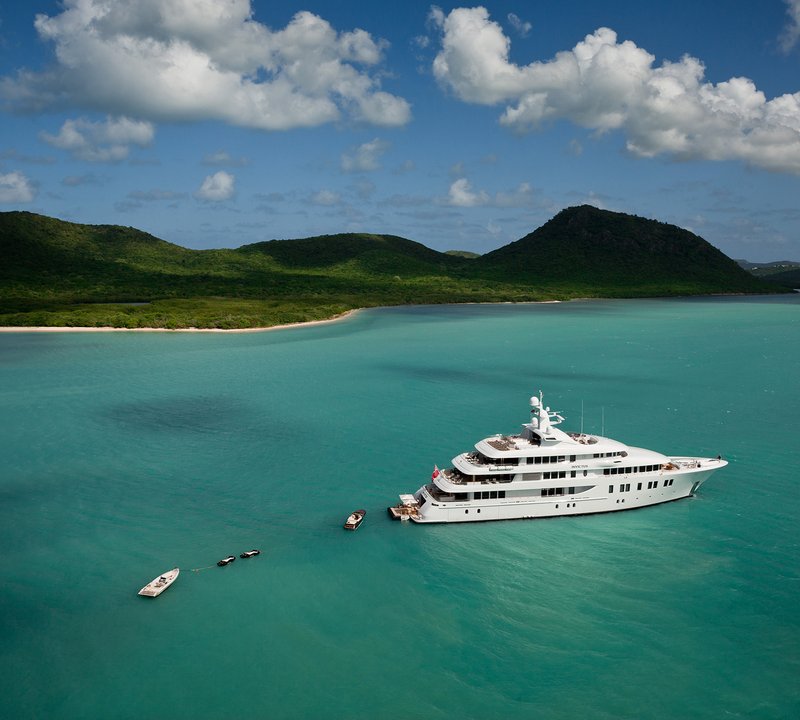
x=354 y=520
x=161 y=583
x=250 y=553
x=226 y=560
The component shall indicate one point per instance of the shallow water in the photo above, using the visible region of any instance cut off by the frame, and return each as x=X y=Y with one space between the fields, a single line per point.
x=126 y=454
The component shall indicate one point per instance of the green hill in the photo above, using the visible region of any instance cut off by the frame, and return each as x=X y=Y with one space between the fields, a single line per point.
x=787 y=278
x=54 y=272
x=620 y=255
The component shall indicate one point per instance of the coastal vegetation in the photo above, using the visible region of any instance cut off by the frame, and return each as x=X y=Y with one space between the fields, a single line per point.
x=56 y=273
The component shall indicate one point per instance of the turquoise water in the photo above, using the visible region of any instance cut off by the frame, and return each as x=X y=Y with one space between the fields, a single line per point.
x=125 y=454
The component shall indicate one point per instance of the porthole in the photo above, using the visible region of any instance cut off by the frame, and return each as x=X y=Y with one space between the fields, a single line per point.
x=556 y=507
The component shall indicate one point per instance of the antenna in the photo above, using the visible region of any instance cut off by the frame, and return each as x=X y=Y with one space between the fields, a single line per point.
x=603 y=421
x=581 y=417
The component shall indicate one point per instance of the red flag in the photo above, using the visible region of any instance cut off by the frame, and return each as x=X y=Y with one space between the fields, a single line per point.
x=435 y=472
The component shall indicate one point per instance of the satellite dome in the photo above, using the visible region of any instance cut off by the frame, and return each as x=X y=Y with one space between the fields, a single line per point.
x=534 y=401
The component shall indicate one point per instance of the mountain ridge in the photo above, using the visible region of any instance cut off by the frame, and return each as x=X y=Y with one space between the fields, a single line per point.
x=52 y=270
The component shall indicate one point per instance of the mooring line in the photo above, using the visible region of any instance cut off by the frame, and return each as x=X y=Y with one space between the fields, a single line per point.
x=207 y=567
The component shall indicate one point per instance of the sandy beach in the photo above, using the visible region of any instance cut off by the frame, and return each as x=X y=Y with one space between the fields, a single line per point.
x=337 y=318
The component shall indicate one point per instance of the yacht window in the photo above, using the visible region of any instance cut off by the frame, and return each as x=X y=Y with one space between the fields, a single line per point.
x=572 y=458
x=585 y=473
x=501 y=493
x=638 y=486
x=610 y=488
x=573 y=473
x=537 y=461
x=571 y=491
x=606 y=471
x=493 y=495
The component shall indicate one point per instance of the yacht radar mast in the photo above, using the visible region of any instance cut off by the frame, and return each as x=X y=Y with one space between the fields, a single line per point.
x=542 y=418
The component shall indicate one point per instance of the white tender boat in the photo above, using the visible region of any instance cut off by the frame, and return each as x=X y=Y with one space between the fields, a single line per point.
x=354 y=519
x=161 y=583
x=545 y=472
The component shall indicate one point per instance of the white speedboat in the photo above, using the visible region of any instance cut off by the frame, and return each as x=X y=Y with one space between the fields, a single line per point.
x=545 y=472
x=354 y=519
x=161 y=583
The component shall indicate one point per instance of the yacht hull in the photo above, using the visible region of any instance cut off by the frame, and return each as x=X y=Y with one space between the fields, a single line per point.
x=596 y=500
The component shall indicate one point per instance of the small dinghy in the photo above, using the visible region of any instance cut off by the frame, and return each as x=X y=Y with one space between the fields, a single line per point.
x=161 y=583
x=250 y=553
x=354 y=520
x=226 y=560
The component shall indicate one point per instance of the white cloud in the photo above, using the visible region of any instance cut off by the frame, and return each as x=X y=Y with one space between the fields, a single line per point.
x=791 y=32
x=217 y=187
x=15 y=188
x=522 y=27
x=603 y=85
x=365 y=157
x=184 y=60
x=106 y=141
x=462 y=195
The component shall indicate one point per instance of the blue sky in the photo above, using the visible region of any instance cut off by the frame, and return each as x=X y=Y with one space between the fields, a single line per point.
x=217 y=123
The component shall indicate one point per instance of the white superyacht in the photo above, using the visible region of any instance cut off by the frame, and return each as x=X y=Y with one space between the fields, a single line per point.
x=546 y=472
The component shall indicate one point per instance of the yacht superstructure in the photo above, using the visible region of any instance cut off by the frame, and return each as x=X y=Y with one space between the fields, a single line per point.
x=546 y=472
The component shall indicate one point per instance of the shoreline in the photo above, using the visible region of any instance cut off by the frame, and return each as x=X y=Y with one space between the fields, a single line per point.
x=285 y=326
x=345 y=315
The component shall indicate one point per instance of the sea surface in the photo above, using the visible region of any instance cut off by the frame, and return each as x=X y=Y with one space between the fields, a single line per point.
x=123 y=455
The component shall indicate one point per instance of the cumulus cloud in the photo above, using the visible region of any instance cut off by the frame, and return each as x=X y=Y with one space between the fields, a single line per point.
x=461 y=194
x=16 y=188
x=216 y=187
x=106 y=141
x=603 y=84
x=791 y=32
x=365 y=157
x=184 y=60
